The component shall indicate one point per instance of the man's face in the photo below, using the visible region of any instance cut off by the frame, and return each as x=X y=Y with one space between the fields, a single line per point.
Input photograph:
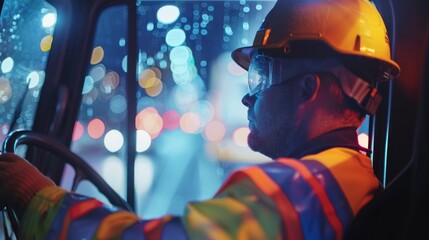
x=273 y=101
x=271 y=120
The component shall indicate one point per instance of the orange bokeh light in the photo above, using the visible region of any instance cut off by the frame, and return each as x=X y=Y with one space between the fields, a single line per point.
x=190 y=122
x=240 y=136
x=96 y=128
x=150 y=121
x=215 y=131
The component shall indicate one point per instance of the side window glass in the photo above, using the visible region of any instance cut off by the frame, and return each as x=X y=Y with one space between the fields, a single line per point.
x=101 y=125
x=25 y=40
x=191 y=126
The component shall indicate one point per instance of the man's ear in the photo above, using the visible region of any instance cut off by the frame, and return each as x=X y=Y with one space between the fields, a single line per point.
x=308 y=88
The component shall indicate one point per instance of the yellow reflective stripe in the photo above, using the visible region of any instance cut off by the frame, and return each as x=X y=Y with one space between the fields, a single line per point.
x=41 y=210
x=350 y=167
x=248 y=227
x=204 y=223
x=202 y=226
x=112 y=226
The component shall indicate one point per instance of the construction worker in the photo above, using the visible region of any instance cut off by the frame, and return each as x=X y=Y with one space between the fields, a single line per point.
x=312 y=70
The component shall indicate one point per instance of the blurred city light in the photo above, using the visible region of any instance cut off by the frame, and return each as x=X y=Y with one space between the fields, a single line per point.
x=49 y=20
x=168 y=14
x=96 y=128
x=97 y=55
x=7 y=65
x=77 y=131
x=143 y=141
x=240 y=136
x=46 y=43
x=215 y=131
x=363 y=140
x=113 y=140
x=33 y=79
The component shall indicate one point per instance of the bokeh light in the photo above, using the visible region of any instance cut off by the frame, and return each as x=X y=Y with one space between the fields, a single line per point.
x=109 y=83
x=155 y=89
x=97 y=72
x=124 y=63
x=143 y=141
x=77 y=131
x=228 y=30
x=49 y=20
x=363 y=140
x=171 y=120
x=190 y=122
x=90 y=97
x=7 y=65
x=147 y=78
x=214 y=131
x=168 y=14
x=46 y=43
x=118 y=104
x=113 y=140
x=33 y=79
x=150 y=26
x=111 y=80
x=182 y=65
x=150 y=121
x=122 y=42
x=5 y=90
x=240 y=136
x=96 y=128
x=97 y=55
x=158 y=73
x=181 y=55
x=175 y=37
x=88 y=85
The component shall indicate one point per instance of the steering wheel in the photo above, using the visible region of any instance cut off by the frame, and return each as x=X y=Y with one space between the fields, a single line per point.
x=82 y=169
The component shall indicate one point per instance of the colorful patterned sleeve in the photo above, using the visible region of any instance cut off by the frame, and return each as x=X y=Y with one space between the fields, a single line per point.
x=287 y=199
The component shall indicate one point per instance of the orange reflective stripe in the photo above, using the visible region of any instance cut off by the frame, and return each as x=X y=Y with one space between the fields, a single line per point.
x=321 y=194
x=291 y=221
x=83 y=207
x=77 y=211
x=153 y=228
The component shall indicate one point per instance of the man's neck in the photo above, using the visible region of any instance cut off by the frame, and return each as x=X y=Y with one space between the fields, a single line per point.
x=340 y=137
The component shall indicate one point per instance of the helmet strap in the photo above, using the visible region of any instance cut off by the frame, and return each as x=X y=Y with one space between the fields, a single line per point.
x=361 y=91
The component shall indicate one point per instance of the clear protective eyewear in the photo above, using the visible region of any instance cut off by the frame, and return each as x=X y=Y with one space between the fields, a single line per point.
x=263 y=72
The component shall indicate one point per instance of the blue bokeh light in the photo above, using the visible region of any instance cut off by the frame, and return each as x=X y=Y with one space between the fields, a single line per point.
x=175 y=37
x=168 y=14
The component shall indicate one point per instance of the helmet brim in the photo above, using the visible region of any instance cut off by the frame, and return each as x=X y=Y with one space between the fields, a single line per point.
x=305 y=49
x=242 y=55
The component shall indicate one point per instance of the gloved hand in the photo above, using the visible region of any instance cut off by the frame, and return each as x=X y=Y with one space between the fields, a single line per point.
x=19 y=182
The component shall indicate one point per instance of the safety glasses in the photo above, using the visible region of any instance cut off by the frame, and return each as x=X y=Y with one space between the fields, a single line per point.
x=263 y=72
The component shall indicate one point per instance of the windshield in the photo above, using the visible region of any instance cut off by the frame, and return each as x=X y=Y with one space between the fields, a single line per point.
x=26 y=29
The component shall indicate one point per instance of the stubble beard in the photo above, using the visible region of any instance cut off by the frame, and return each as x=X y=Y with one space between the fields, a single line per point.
x=278 y=143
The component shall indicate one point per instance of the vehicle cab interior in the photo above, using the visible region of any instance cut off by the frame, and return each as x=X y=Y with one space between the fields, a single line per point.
x=138 y=103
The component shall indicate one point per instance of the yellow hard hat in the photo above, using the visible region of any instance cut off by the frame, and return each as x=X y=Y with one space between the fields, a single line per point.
x=351 y=30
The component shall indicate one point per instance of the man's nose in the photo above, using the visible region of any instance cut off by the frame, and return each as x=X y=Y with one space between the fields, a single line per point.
x=248 y=100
